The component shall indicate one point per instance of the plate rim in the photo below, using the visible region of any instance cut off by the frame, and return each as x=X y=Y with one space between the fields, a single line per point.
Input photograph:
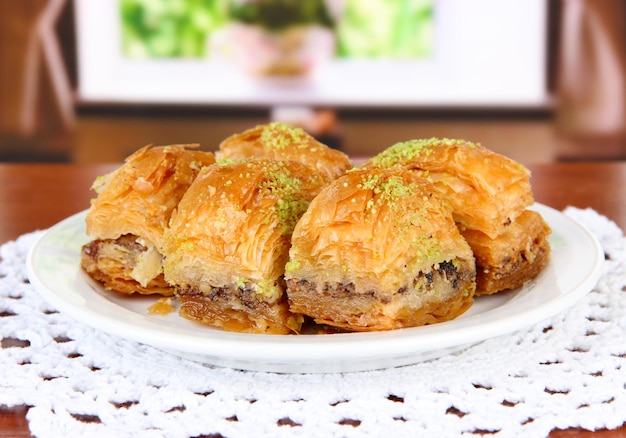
x=314 y=353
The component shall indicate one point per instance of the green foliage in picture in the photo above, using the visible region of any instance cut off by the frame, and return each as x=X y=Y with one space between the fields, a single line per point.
x=400 y=29
x=170 y=28
x=280 y=14
x=386 y=29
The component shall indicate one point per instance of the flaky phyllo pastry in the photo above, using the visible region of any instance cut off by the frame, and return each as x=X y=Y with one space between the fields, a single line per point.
x=228 y=242
x=127 y=219
x=279 y=141
x=377 y=250
x=489 y=194
x=486 y=190
x=517 y=255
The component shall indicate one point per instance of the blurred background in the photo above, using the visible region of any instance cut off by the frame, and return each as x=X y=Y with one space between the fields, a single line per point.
x=94 y=80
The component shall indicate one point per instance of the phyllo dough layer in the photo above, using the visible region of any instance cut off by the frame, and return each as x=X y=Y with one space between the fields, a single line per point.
x=128 y=217
x=487 y=191
x=279 y=141
x=514 y=257
x=377 y=250
x=228 y=243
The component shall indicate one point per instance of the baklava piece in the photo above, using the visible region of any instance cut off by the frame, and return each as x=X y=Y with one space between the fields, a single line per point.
x=228 y=243
x=280 y=141
x=378 y=250
x=127 y=219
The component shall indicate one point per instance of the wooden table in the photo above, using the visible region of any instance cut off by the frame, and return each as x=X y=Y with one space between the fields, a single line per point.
x=36 y=196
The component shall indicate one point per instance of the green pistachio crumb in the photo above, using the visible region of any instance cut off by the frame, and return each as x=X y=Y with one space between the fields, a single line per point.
x=292 y=265
x=279 y=135
x=99 y=184
x=403 y=152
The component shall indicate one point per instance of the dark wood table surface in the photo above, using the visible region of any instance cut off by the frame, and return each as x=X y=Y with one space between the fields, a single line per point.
x=36 y=196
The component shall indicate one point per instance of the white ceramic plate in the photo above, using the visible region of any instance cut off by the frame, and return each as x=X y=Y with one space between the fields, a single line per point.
x=54 y=270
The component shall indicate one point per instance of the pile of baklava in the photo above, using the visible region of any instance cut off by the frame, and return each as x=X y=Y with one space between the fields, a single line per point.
x=275 y=230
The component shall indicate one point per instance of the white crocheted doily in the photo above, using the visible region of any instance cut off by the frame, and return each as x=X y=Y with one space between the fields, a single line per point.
x=568 y=372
